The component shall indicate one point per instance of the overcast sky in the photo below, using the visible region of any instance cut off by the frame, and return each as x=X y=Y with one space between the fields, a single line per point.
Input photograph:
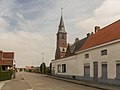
x=29 y=27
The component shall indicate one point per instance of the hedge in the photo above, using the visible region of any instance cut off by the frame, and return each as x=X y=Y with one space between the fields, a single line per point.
x=5 y=75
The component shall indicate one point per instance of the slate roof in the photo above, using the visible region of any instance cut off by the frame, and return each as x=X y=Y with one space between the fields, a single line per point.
x=104 y=35
x=61 y=26
x=71 y=49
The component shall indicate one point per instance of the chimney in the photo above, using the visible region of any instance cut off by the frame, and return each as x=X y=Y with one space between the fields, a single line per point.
x=88 y=34
x=76 y=40
x=91 y=33
x=97 y=28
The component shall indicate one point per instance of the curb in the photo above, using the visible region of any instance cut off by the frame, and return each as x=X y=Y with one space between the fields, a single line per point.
x=79 y=83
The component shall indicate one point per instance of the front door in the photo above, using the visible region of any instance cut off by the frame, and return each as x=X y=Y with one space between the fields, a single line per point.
x=104 y=70
x=95 y=71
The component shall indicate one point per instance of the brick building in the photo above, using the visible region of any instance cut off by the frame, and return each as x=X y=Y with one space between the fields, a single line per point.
x=6 y=60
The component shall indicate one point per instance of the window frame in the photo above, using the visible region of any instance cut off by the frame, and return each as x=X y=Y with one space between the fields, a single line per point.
x=87 y=73
x=104 y=52
x=87 y=55
x=103 y=66
x=117 y=74
x=62 y=36
x=58 y=68
x=63 y=68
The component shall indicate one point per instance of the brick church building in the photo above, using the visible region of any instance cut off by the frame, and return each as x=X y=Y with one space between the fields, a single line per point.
x=61 y=40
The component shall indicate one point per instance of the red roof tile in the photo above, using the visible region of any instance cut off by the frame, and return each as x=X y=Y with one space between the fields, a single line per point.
x=106 y=34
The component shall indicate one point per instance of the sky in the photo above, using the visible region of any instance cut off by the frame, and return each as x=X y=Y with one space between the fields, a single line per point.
x=29 y=27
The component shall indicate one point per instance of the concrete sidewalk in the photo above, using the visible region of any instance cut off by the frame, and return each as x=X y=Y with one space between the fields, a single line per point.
x=1 y=84
x=88 y=84
x=16 y=84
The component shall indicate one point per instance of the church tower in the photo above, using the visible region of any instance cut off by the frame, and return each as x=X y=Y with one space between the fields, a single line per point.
x=61 y=40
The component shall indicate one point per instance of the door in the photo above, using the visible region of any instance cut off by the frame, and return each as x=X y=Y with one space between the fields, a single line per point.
x=87 y=71
x=95 y=71
x=118 y=71
x=53 y=70
x=104 y=70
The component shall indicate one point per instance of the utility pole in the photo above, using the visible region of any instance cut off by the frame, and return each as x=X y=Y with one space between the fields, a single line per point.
x=42 y=63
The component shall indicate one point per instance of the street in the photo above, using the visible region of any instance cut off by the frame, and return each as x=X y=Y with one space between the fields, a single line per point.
x=32 y=81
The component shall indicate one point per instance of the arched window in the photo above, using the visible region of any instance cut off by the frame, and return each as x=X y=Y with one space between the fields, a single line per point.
x=63 y=49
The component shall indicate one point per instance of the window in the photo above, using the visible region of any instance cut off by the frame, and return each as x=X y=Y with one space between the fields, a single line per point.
x=104 y=70
x=59 y=68
x=63 y=68
x=4 y=68
x=53 y=70
x=118 y=70
x=62 y=36
x=103 y=52
x=87 y=70
x=86 y=55
x=63 y=49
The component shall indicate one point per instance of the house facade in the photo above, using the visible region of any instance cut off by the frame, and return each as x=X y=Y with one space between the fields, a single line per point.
x=96 y=57
x=6 y=60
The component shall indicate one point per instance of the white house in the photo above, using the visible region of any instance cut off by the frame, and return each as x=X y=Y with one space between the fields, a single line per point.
x=97 y=59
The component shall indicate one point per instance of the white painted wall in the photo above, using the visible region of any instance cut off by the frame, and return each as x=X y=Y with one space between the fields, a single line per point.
x=95 y=55
x=75 y=64
x=71 y=65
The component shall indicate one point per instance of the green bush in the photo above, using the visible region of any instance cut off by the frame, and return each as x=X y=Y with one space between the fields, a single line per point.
x=5 y=75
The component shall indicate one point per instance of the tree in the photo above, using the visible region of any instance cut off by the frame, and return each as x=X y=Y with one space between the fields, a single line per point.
x=43 y=68
x=50 y=68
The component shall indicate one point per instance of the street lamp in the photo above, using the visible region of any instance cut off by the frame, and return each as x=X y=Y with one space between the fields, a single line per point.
x=42 y=63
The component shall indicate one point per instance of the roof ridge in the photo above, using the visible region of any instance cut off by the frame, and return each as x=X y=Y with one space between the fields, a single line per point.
x=107 y=34
x=110 y=24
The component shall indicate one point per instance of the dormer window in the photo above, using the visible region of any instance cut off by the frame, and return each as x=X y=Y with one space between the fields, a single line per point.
x=104 y=52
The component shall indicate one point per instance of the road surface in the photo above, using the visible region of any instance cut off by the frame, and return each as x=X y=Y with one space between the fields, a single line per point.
x=42 y=82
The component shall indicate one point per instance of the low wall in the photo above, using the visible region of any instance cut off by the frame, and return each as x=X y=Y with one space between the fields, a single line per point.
x=83 y=78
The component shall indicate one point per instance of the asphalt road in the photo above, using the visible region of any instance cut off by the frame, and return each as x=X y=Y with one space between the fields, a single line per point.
x=42 y=82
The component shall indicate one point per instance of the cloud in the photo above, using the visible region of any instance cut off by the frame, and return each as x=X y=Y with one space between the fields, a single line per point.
x=107 y=13
x=29 y=27
x=3 y=24
x=27 y=46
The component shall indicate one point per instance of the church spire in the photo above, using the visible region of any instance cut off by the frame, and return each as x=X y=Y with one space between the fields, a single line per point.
x=61 y=11
x=61 y=44
x=61 y=25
